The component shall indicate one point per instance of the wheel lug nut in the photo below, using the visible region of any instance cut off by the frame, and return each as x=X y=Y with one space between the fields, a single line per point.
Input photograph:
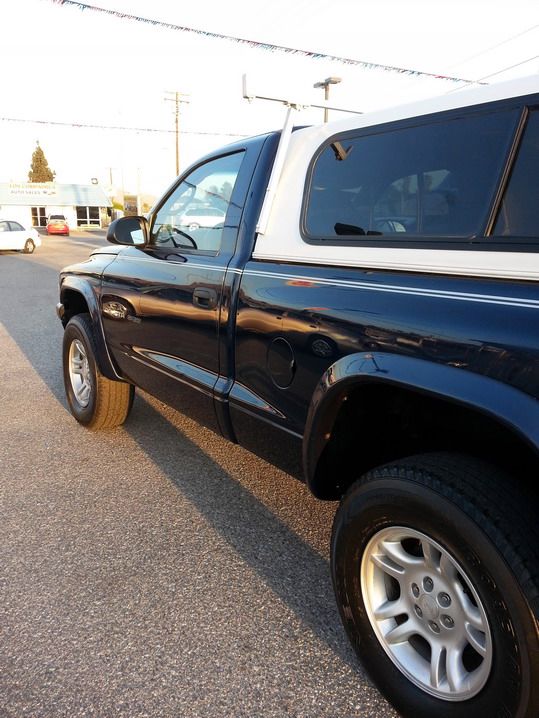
x=418 y=611
x=447 y=621
x=444 y=599
x=434 y=627
x=415 y=590
x=428 y=584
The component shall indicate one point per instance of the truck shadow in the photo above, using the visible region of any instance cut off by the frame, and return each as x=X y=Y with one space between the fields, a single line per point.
x=288 y=565
x=30 y=292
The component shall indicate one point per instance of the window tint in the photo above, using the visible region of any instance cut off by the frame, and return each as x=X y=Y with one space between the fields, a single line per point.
x=4 y=227
x=431 y=180
x=193 y=217
x=16 y=227
x=519 y=212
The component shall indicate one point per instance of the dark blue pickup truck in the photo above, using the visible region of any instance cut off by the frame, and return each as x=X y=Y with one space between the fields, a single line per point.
x=358 y=303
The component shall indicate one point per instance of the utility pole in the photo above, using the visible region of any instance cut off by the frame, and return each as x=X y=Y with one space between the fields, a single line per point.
x=139 y=198
x=177 y=99
x=325 y=84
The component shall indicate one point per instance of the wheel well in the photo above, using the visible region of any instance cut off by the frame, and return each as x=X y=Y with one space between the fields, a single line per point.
x=74 y=303
x=380 y=423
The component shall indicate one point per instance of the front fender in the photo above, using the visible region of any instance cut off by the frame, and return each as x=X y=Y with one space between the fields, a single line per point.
x=510 y=406
x=81 y=286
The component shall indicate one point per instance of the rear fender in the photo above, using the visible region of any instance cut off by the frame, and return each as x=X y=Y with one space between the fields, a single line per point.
x=507 y=405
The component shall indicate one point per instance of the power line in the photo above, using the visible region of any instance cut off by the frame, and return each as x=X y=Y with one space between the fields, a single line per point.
x=511 y=67
x=262 y=45
x=86 y=125
x=495 y=47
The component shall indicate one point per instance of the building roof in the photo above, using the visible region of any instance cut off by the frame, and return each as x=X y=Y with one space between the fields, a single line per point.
x=52 y=193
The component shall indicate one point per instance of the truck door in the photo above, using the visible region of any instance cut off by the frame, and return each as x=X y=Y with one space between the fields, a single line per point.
x=161 y=303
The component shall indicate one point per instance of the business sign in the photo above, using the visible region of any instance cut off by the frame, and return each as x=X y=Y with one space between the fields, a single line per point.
x=34 y=189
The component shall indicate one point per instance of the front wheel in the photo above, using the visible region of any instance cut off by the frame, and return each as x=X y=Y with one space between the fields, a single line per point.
x=435 y=568
x=94 y=400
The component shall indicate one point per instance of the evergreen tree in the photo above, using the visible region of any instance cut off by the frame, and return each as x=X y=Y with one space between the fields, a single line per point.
x=39 y=169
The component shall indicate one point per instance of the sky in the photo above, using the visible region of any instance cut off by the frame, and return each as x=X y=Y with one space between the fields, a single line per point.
x=63 y=64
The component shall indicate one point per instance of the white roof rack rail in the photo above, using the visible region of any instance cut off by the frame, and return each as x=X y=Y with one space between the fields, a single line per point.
x=291 y=107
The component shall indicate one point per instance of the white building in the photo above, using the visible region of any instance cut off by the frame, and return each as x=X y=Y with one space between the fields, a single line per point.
x=30 y=203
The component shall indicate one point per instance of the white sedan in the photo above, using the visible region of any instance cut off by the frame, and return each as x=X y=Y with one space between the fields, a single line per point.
x=202 y=217
x=14 y=236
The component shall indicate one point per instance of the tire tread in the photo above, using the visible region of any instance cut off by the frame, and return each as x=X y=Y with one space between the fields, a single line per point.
x=484 y=492
x=113 y=398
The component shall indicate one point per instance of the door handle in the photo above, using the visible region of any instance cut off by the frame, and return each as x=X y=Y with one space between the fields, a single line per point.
x=205 y=298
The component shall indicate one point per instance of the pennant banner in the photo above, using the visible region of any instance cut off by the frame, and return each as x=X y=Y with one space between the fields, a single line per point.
x=264 y=45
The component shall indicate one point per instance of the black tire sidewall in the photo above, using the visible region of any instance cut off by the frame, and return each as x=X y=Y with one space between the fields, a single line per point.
x=79 y=329
x=383 y=503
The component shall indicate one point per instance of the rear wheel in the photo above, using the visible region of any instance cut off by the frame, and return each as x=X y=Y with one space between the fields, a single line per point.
x=94 y=400
x=435 y=570
x=29 y=247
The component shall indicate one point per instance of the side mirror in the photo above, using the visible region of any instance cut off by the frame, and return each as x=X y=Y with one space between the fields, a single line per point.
x=134 y=231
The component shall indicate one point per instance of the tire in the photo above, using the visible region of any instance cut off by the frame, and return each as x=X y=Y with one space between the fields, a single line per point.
x=95 y=401
x=435 y=567
x=29 y=247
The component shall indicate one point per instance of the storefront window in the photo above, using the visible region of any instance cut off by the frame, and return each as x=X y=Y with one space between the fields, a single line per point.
x=88 y=215
x=39 y=217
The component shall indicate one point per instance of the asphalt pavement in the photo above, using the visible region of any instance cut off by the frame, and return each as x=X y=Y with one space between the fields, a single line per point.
x=156 y=569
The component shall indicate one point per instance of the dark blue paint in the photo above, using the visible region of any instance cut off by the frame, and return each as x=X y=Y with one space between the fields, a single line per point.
x=485 y=347
x=463 y=339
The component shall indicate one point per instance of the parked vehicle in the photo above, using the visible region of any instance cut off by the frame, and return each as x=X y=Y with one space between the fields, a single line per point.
x=57 y=224
x=14 y=236
x=368 y=320
x=205 y=217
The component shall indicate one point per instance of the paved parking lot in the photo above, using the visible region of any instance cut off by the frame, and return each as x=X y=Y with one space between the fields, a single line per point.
x=155 y=569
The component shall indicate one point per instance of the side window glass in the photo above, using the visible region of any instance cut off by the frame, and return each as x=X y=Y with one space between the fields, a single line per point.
x=399 y=200
x=193 y=216
x=431 y=180
x=519 y=212
x=16 y=227
x=4 y=227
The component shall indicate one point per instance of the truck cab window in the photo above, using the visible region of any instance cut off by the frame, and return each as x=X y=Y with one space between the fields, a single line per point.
x=193 y=216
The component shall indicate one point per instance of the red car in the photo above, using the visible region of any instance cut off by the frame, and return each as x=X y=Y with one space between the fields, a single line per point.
x=56 y=224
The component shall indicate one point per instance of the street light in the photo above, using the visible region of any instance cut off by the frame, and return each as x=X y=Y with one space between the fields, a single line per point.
x=325 y=84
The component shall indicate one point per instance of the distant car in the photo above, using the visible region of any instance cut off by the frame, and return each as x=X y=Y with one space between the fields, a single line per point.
x=14 y=236
x=202 y=217
x=57 y=224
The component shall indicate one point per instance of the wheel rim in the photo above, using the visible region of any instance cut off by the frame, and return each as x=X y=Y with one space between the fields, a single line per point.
x=426 y=613
x=29 y=246
x=79 y=373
